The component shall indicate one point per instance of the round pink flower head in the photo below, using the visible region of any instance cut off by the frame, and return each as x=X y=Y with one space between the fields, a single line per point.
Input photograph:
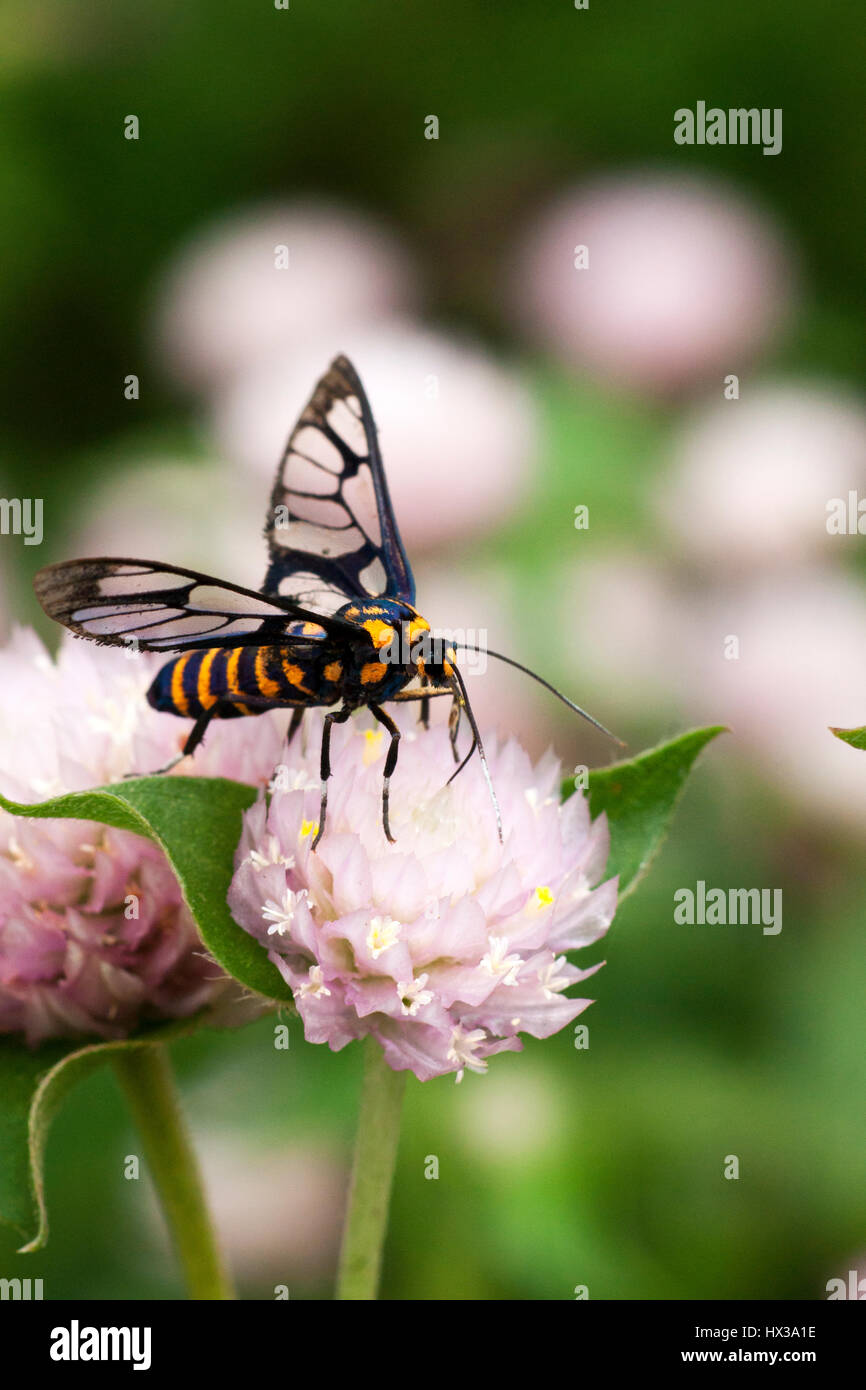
x=153 y=506
x=253 y=284
x=95 y=938
x=652 y=280
x=752 y=483
x=448 y=944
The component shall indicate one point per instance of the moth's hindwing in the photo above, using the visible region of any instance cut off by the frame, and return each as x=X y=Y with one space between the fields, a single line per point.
x=331 y=532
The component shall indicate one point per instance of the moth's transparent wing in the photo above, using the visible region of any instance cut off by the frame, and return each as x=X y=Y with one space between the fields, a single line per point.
x=161 y=608
x=331 y=532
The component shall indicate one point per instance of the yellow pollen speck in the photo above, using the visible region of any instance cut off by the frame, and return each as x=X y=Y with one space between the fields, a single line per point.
x=372 y=745
x=309 y=827
x=543 y=897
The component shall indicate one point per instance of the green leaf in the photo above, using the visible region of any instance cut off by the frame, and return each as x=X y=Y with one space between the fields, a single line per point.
x=639 y=797
x=197 y=822
x=33 y=1085
x=856 y=737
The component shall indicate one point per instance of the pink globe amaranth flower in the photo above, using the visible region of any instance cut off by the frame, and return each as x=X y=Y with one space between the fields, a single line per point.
x=446 y=945
x=202 y=514
x=625 y=650
x=751 y=479
x=95 y=938
x=284 y=1221
x=228 y=301
x=686 y=278
x=799 y=667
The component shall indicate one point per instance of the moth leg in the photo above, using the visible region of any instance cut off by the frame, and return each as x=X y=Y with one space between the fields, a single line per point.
x=424 y=712
x=454 y=727
x=199 y=728
x=194 y=738
x=338 y=716
x=198 y=731
x=297 y=716
x=158 y=771
x=403 y=695
x=390 y=764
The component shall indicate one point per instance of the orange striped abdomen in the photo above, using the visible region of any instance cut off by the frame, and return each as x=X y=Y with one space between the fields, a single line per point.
x=195 y=682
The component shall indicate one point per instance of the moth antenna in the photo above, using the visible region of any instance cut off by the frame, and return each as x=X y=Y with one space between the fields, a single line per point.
x=509 y=661
x=459 y=689
x=461 y=766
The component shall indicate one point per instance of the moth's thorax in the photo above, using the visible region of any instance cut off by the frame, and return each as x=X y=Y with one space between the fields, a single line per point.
x=386 y=621
x=403 y=646
x=391 y=645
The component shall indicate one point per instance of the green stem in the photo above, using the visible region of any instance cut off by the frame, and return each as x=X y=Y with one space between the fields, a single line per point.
x=146 y=1077
x=372 y=1176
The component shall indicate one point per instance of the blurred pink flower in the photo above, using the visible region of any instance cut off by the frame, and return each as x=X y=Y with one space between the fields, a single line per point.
x=777 y=657
x=686 y=279
x=94 y=935
x=223 y=305
x=801 y=666
x=277 y=1210
x=624 y=615
x=203 y=515
x=457 y=431
x=751 y=478
x=447 y=945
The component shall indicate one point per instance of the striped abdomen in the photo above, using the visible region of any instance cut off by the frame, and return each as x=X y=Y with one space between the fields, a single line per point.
x=194 y=682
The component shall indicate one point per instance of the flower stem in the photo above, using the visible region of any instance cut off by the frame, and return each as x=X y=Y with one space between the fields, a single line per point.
x=146 y=1077
x=372 y=1176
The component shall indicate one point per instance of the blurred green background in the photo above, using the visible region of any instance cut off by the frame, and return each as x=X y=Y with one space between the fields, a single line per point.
x=562 y=1167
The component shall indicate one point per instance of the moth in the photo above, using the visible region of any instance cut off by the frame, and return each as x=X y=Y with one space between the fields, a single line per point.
x=334 y=624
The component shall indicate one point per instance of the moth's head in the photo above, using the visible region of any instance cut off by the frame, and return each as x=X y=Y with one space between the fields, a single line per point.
x=436 y=659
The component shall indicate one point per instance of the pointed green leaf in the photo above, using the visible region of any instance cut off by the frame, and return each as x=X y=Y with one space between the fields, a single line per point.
x=856 y=737
x=639 y=797
x=197 y=821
